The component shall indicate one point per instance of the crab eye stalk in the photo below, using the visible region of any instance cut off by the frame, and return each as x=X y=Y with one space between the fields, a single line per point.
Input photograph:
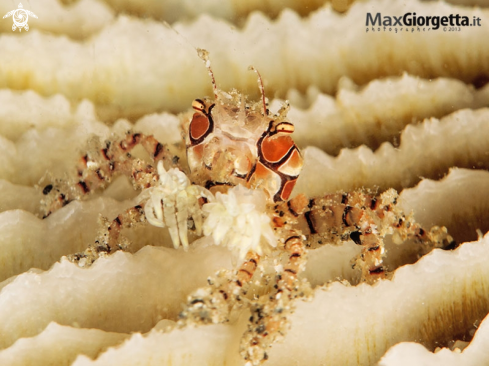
x=198 y=105
x=284 y=127
x=280 y=127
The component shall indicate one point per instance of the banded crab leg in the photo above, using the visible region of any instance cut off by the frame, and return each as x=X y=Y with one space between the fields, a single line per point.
x=365 y=219
x=269 y=314
x=336 y=218
x=171 y=201
x=109 y=238
x=213 y=304
x=237 y=220
x=268 y=321
x=97 y=168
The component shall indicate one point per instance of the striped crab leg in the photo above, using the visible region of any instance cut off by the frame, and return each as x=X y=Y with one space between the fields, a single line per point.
x=97 y=168
x=109 y=238
x=364 y=219
x=213 y=304
x=269 y=314
x=268 y=321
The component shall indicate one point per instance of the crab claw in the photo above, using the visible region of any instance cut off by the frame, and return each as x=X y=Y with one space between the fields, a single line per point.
x=172 y=202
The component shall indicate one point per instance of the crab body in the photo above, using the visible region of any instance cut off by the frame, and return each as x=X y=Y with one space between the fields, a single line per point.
x=231 y=143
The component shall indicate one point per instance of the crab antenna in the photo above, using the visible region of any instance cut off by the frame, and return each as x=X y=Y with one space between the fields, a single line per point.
x=262 y=88
x=204 y=55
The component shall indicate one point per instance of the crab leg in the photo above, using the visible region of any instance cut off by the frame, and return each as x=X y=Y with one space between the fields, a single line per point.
x=213 y=303
x=362 y=218
x=108 y=240
x=246 y=271
x=338 y=217
x=97 y=168
x=268 y=321
x=294 y=246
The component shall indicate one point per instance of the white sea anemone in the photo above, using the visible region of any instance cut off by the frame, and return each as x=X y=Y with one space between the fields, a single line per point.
x=238 y=220
x=172 y=201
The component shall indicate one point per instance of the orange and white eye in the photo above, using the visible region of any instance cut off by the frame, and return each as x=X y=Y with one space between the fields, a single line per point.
x=199 y=105
x=284 y=127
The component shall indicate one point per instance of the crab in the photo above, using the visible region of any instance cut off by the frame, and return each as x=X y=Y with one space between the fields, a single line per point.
x=236 y=192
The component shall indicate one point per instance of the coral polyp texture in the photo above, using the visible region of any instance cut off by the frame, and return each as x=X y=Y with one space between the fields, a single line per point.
x=262 y=183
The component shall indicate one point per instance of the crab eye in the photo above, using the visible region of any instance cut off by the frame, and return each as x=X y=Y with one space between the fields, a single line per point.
x=285 y=127
x=280 y=127
x=199 y=105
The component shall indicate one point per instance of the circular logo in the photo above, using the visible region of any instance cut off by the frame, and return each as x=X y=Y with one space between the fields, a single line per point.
x=20 y=18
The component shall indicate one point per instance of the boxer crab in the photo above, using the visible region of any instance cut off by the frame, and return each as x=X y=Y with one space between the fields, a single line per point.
x=242 y=167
